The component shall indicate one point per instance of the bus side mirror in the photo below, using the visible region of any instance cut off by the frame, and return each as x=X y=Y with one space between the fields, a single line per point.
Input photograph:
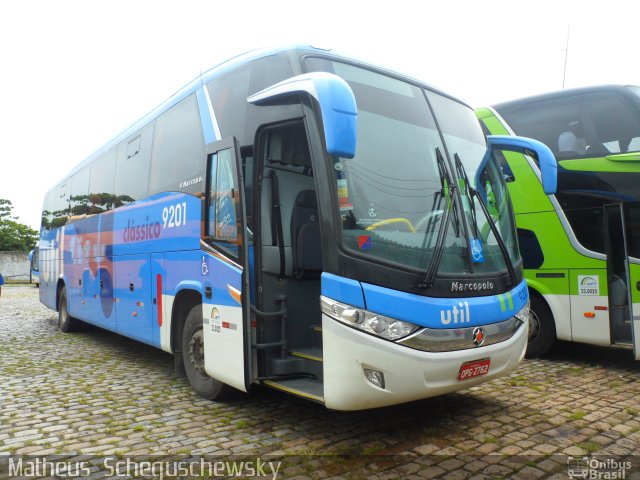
x=337 y=106
x=527 y=146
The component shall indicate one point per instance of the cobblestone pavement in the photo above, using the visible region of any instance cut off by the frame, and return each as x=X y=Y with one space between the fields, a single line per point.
x=95 y=393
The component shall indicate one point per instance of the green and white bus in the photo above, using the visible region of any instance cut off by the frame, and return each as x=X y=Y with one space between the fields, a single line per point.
x=580 y=247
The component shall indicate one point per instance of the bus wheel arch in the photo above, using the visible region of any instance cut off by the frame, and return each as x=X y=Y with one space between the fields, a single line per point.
x=184 y=301
x=542 y=327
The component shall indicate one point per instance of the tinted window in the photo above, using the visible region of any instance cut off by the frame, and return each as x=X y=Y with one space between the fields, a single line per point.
x=178 y=162
x=390 y=194
x=224 y=203
x=132 y=169
x=47 y=210
x=287 y=149
x=579 y=126
x=101 y=195
x=60 y=204
x=79 y=198
x=229 y=92
x=532 y=256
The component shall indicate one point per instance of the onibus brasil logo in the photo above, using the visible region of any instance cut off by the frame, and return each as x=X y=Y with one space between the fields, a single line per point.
x=598 y=468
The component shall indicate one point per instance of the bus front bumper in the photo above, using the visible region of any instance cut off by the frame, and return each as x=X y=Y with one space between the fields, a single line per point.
x=409 y=374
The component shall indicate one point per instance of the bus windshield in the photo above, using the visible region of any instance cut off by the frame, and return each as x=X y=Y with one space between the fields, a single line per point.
x=394 y=194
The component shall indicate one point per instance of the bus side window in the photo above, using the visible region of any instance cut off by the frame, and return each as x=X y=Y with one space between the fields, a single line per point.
x=224 y=202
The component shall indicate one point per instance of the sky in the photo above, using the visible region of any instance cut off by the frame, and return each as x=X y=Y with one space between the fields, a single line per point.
x=73 y=74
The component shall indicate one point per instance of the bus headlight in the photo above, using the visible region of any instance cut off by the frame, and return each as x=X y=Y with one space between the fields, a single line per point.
x=379 y=325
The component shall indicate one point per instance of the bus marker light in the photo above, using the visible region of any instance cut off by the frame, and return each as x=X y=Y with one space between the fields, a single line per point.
x=353 y=315
x=377 y=325
x=375 y=377
x=598 y=307
x=589 y=314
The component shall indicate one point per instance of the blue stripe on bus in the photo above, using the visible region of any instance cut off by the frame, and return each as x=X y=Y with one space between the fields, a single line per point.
x=445 y=312
x=342 y=289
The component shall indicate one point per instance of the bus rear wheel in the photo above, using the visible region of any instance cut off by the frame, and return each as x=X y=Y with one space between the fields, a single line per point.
x=542 y=328
x=193 y=358
x=66 y=323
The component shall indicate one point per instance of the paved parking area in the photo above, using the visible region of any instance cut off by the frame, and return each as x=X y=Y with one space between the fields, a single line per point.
x=95 y=393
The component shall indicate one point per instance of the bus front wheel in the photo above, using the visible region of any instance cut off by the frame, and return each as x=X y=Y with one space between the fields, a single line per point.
x=66 y=323
x=193 y=358
x=542 y=328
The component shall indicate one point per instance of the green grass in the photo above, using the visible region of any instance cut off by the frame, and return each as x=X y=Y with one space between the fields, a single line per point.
x=579 y=415
x=590 y=447
x=370 y=450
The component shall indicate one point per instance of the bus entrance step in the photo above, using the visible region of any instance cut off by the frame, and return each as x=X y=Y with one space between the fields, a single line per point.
x=312 y=353
x=302 y=387
x=301 y=361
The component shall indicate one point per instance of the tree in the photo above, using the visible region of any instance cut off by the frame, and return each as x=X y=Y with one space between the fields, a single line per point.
x=14 y=236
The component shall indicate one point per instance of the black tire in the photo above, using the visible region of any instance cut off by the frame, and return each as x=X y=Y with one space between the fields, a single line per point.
x=542 y=328
x=66 y=323
x=193 y=358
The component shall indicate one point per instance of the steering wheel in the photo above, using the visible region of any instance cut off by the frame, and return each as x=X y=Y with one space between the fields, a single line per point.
x=389 y=221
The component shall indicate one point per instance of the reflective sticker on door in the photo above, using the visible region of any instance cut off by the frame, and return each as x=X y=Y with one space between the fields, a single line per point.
x=588 y=285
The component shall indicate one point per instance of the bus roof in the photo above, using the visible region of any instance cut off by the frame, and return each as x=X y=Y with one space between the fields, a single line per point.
x=224 y=67
x=561 y=94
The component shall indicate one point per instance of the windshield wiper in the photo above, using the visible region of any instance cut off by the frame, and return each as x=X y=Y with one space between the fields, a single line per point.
x=462 y=174
x=447 y=192
x=473 y=193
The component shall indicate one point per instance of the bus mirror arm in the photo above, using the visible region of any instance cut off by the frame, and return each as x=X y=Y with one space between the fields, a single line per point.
x=527 y=146
x=337 y=106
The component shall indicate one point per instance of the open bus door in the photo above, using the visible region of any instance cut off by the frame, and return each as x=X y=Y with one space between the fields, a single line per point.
x=619 y=281
x=227 y=343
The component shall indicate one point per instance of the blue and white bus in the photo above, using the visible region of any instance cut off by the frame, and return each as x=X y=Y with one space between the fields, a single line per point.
x=300 y=220
x=34 y=265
